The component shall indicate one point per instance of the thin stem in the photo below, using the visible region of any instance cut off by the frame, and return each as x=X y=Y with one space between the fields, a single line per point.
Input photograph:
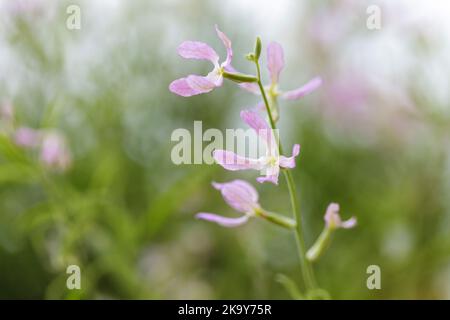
x=307 y=270
x=266 y=103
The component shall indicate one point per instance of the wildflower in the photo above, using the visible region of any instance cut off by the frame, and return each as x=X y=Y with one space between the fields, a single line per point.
x=242 y=196
x=275 y=64
x=27 y=137
x=332 y=222
x=270 y=163
x=195 y=84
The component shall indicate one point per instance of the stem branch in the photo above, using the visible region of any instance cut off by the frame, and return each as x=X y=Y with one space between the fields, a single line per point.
x=307 y=271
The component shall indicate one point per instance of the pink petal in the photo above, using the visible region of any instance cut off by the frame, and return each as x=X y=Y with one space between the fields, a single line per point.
x=239 y=194
x=223 y=221
x=350 y=223
x=201 y=84
x=182 y=88
x=289 y=162
x=54 y=151
x=231 y=161
x=198 y=50
x=333 y=219
x=260 y=107
x=304 y=90
x=27 y=137
x=269 y=178
x=332 y=215
x=257 y=123
x=250 y=87
x=271 y=174
x=191 y=86
x=254 y=120
x=227 y=43
x=275 y=60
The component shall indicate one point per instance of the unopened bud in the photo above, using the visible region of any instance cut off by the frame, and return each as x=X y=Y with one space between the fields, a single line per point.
x=258 y=47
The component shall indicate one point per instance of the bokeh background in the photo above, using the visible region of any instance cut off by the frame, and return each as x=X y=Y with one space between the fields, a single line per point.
x=375 y=138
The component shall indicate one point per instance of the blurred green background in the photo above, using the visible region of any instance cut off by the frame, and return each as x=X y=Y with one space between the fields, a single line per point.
x=375 y=138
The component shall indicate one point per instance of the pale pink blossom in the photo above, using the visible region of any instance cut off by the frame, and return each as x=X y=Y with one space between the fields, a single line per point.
x=27 y=137
x=333 y=219
x=195 y=84
x=275 y=64
x=54 y=151
x=269 y=163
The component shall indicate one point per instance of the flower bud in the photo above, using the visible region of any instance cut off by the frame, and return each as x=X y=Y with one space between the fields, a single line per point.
x=250 y=56
x=258 y=47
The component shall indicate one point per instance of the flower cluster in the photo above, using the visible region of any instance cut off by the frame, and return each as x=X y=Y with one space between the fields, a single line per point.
x=239 y=194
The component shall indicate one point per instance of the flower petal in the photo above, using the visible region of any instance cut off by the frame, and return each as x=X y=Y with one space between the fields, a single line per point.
x=27 y=137
x=227 y=43
x=303 y=90
x=275 y=61
x=198 y=50
x=269 y=178
x=350 y=223
x=223 y=221
x=231 y=161
x=250 y=87
x=54 y=151
x=239 y=194
x=260 y=107
x=182 y=88
x=333 y=219
x=191 y=86
x=289 y=162
x=200 y=84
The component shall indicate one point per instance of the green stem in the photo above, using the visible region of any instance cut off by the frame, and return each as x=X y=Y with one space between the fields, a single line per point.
x=321 y=244
x=278 y=219
x=307 y=271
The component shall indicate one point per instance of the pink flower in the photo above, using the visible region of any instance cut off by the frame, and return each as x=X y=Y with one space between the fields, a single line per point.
x=270 y=163
x=195 y=84
x=333 y=220
x=54 y=151
x=27 y=137
x=275 y=64
x=241 y=196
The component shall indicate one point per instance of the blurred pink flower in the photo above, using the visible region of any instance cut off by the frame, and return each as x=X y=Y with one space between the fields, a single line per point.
x=27 y=137
x=270 y=163
x=54 y=151
x=195 y=84
x=52 y=146
x=275 y=64
x=333 y=219
x=241 y=196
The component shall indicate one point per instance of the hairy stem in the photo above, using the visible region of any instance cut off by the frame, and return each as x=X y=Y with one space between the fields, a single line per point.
x=307 y=271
